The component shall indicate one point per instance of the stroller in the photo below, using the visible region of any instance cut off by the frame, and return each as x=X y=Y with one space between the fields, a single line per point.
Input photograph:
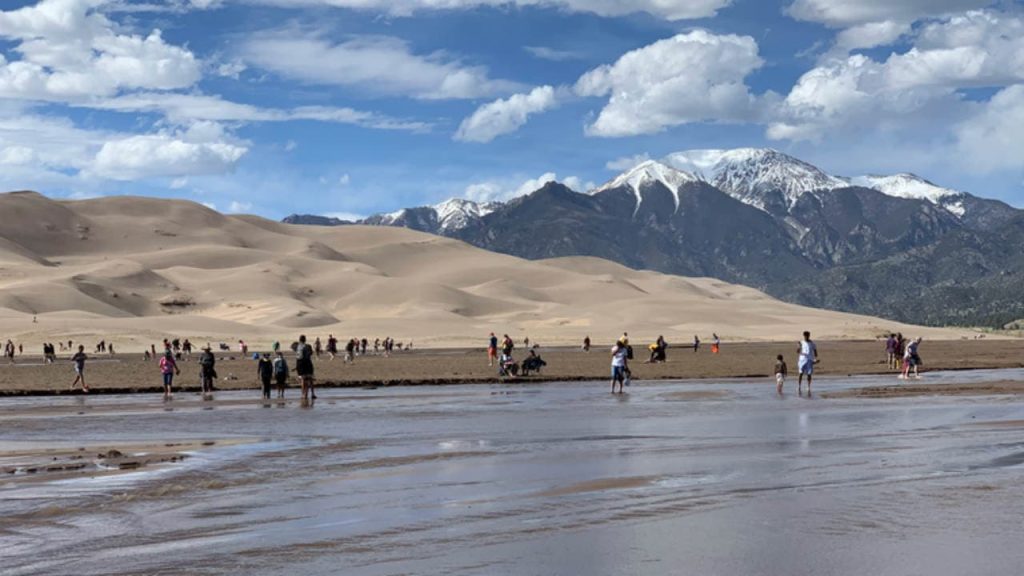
x=507 y=367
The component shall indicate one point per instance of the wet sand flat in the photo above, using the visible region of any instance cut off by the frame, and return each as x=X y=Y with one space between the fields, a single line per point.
x=128 y=373
x=715 y=477
x=912 y=389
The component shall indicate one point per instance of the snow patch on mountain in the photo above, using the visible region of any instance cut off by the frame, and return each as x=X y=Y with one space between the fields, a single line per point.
x=750 y=174
x=913 y=187
x=648 y=173
x=458 y=213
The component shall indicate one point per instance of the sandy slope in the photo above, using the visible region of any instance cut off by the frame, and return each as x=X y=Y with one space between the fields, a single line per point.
x=136 y=269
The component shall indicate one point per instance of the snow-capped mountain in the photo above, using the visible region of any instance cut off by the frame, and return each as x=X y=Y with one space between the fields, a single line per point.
x=458 y=213
x=762 y=177
x=649 y=173
x=916 y=188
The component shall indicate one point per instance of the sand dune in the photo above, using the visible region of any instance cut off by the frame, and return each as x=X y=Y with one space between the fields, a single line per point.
x=133 y=270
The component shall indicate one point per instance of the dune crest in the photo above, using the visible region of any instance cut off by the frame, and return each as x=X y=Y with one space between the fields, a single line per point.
x=133 y=270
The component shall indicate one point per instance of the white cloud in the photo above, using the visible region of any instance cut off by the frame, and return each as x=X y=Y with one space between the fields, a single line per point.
x=505 y=116
x=70 y=51
x=552 y=54
x=345 y=180
x=290 y=145
x=231 y=69
x=237 y=207
x=504 y=190
x=870 y=35
x=627 y=162
x=991 y=140
x=692 y=77
x=842 y=13
x=201 y=150
x=667 y=9
x=374 y=64
x=178 y=183
x=184 y=108
x=975 y=49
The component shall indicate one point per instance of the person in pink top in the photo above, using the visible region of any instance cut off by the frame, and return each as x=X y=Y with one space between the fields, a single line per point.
x=169 y=368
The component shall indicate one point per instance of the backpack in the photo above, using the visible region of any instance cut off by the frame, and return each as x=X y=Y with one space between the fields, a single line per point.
x=280 y=367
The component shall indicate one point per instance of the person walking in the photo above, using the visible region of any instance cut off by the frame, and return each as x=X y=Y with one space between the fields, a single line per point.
x=304 y=368
x=350 y=351
x=280 y=373
x=265 y=372
x=808 y=357
x=79 y=359
x=586 y=343
x=492 y=349
x=781 y=371
x=696 y=343
x=168 y=369
x=207 y=371
x=620 y=364
x=716 y=344
x=890 y=352
x=911 y=359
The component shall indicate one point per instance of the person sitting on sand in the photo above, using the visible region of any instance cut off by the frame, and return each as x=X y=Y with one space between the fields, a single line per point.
x=168 y=369
x=808 y=357
x=533 y=363
x=280 y=373
x=781 y=371
x=620 y=363
x=79 y=360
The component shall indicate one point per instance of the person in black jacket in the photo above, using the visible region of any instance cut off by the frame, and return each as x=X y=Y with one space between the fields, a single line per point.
x=265 y=371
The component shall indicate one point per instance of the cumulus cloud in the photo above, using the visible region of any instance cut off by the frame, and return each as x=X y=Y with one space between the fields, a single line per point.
x=238 y=207
x=991 y=140
x=692 y=77
x=843 y=13
x=501 y=191
x=667 y=9
x=552 y=54
x=201 y=150
x=71 y=51
x=627 y=162
x=870 y=35
x=975 y=49
x=374 y=64
x=505 y=116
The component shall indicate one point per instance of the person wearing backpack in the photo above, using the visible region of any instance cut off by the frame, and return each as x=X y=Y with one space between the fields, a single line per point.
x=280 y=374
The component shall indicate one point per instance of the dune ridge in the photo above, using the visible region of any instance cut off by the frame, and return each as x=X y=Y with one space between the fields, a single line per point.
x=133 y=270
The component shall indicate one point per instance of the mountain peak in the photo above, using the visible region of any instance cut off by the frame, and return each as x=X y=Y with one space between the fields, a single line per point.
x=905 y=185
x=647 y=173
x=457 y=213
x=751 y=174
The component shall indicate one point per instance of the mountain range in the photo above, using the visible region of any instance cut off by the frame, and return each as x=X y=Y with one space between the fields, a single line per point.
x=897 y=246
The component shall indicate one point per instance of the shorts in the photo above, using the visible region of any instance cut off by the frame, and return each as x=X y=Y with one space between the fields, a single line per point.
x=304 y=367
x=780 y=379
x=618 y=372
x=806 y=366
x=168 y=379
x=492 y=352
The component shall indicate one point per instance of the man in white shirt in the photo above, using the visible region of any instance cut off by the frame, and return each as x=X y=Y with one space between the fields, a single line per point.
x=808 y=358
x=620 y=363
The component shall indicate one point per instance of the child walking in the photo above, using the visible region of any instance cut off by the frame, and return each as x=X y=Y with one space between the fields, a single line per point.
x=780 y=373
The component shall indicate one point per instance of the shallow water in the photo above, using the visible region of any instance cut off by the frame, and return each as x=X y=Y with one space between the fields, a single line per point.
x=710 y=478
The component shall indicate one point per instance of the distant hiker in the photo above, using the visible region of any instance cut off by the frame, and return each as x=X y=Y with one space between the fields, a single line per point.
x=168 y=369
x=280 y=373
x=265 y=372
x=696 y=343
x=891 y=346
x=350 y=350
x=912 y=359
x=243 y=347
x=781 y=371
x=620 y=364
x=492 y=349
x=9 y=351
x=526 y=342
x=586 y=343
x=317 y=349
x=332 y=346
x=275 y=347
x=304 y=368
x=716 y=343
x=207 y=370
x=79 y=360
x=507 y=346
x=186 y=347
x=808 y=357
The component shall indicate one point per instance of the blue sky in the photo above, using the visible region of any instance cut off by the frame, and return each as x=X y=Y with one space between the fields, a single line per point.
x=362 y=106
